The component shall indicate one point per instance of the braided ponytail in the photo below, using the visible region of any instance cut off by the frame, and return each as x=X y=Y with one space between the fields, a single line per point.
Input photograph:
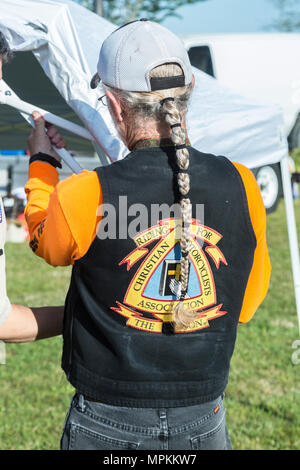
x=167 y=106
x=182 y=316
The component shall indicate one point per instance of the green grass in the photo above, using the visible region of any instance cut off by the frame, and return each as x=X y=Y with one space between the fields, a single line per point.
x=34 y=392
x=263 y=395
x=296 y=157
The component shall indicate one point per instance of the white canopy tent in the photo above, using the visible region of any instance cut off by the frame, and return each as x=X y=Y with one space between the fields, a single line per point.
x=65 y=38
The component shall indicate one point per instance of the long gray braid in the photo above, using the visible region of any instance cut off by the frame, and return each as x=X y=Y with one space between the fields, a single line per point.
x=182 y=316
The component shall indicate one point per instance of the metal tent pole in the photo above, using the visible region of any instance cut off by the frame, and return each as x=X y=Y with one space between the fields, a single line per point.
x=292 y=229
x=98 y=7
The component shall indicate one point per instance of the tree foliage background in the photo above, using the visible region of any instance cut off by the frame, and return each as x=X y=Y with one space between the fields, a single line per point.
x=289 y=15
x=122 y=11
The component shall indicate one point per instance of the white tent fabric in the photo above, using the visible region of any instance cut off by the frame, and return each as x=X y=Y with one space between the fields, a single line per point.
x=66 y=38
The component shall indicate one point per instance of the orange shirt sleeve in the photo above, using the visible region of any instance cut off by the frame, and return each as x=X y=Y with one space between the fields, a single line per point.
x=258 y=281
x=61 y=216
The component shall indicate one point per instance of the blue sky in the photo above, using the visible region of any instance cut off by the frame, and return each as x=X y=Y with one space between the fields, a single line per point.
x=224 y=16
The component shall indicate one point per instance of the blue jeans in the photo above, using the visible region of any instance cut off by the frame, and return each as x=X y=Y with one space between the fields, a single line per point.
x=96 y=426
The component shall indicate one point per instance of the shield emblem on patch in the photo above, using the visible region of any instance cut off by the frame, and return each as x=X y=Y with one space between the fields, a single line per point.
x=155 y=287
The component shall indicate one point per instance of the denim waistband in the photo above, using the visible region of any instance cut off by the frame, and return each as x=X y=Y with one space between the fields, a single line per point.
x=178 y=417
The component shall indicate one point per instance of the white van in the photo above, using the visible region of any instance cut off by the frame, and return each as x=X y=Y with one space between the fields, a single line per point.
x=263 y=66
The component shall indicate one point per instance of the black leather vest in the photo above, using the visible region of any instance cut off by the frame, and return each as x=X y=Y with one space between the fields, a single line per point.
x=119 y=343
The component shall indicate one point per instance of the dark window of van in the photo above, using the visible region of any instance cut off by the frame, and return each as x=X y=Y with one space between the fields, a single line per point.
x=200 y=58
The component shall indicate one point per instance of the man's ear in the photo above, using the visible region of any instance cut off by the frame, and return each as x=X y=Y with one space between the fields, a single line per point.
x=115 y=105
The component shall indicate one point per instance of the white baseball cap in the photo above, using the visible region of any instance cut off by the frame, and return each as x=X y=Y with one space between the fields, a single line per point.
x=130 y=52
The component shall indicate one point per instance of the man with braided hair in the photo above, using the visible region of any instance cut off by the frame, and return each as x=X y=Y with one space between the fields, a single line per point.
x=150 y=318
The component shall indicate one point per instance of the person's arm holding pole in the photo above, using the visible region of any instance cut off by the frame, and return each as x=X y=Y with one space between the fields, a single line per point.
x=56 y=235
